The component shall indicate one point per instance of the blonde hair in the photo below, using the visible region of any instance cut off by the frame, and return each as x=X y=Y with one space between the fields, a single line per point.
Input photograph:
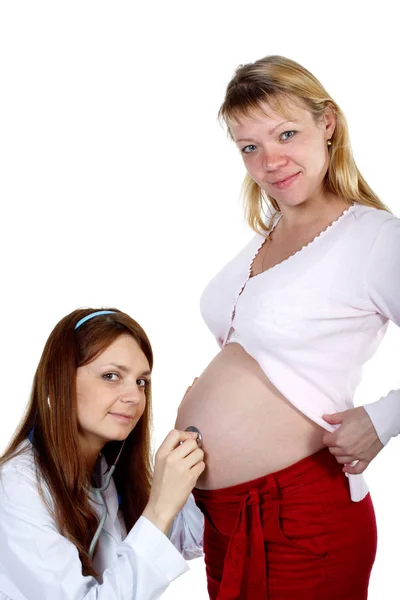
x=277 y=80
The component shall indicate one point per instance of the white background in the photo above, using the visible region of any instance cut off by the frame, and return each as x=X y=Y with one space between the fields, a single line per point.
x=119 y=187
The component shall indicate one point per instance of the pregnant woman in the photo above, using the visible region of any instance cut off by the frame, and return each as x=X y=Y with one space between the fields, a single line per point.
x=296 y=313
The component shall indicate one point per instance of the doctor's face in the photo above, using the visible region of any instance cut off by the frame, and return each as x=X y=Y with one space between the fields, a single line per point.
x=111 y=394
x=287 y=159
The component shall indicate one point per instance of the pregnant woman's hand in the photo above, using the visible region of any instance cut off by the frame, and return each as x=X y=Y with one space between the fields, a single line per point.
x=354 y=440
x=178 y=465
x=187 y=391
x=190 y=387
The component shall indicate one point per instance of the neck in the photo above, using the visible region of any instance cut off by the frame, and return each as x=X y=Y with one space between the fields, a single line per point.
x=91 y=452
x=312 y=212
x=90 y=462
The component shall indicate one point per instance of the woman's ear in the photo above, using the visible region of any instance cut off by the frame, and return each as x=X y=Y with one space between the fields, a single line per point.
x=329 y=120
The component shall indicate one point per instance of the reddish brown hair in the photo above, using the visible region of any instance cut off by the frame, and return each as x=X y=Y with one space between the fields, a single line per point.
x=58 y=459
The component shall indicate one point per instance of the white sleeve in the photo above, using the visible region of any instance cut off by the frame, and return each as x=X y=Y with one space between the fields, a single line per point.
x=43 y=565
x=187 y=530
x=383 y=288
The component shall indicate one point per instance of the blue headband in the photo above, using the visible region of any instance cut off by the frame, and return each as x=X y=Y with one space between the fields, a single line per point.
x=95 y=314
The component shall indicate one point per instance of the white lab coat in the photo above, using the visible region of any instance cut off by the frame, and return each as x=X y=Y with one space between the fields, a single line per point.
x=38 y=563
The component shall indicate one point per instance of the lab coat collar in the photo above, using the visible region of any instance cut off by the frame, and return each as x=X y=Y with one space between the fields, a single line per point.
x=110 y=495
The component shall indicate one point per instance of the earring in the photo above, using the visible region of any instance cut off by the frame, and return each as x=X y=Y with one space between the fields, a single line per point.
x=329 y=143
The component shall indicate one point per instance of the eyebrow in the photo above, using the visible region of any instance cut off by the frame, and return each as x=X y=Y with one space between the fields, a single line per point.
x=126 y=369
x=270 y=132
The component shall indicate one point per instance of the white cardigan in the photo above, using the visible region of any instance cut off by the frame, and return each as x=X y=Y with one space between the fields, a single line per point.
x=313 y=320
x=38 y=563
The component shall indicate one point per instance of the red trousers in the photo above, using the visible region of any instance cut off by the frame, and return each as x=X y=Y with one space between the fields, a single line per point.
x=291 y=535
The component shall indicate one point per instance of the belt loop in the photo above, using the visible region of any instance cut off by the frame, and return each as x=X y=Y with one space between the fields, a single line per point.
x=273 y=488
x=253 y=496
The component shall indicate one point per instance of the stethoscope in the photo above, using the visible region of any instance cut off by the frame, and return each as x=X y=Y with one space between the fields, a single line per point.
x=98 y=491
x=199 y=439
x=99 y=495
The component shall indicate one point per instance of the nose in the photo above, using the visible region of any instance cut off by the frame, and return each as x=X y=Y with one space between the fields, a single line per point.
x=273 y=160
x=133 y=394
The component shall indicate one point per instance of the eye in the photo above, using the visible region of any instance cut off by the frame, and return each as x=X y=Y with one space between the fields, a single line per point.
x=289 y=135
x=110 y=376
x=142 y=382
x=248 y=149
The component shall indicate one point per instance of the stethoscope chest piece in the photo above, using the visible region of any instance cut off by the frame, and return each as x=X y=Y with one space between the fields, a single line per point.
x=199 y=436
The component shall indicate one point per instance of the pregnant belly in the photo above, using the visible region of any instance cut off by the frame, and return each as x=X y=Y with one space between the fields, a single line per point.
x=249 y=429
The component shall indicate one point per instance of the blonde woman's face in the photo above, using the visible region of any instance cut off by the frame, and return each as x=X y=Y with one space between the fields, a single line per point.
x=287 y=159
x=111 y=394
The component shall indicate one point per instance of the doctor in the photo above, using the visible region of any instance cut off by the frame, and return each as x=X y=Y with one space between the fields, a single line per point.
x=77 y=474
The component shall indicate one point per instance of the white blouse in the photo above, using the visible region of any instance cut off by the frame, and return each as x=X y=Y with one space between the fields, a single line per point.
x=314 y=319
x=38 y=563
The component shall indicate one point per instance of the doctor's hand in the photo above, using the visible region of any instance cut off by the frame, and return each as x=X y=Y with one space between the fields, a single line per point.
x=178 y=464
x=354 y=440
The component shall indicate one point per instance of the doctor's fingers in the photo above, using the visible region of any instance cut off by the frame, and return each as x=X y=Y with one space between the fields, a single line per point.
x=173 y=440
x=194 y=458
x=194 y=466
x=185 y=448
x=197 y=470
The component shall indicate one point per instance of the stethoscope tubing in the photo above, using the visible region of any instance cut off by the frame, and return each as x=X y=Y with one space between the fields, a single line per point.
x=99 y=495
x=99 y=492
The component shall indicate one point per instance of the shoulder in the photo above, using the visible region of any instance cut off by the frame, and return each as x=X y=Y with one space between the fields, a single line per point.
x=385 y=246
x=369 y=230
x=19 y=480
x=384 y=226
x=372 y=219
x=20 y=466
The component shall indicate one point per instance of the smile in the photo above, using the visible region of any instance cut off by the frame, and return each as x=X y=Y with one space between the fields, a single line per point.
x=121 y=418
x=285 y=183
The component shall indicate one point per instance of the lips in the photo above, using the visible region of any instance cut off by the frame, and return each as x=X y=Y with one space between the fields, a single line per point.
x=121 y=416
x=282 y=179
x=286 y=182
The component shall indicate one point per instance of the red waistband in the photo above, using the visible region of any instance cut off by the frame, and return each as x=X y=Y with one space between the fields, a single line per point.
x=308 y=469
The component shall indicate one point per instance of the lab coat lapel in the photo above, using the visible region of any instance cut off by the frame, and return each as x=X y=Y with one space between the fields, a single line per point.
x=110 y=496
x=112 y=525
